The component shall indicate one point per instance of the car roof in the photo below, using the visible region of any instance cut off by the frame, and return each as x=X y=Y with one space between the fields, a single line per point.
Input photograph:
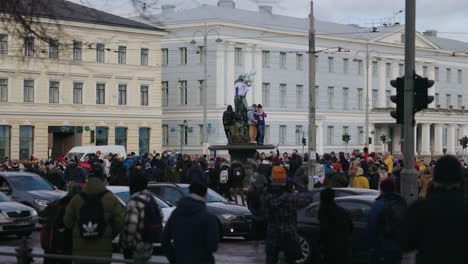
x=15 y=173
x=117 y=189
x=366 y=198
x=181 y=185
x=351 y=189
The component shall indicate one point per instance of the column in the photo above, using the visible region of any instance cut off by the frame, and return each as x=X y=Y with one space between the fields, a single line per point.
x=370 y=81
x=220 y=80
x=258 y=79
x=320 y=139
x=14 y=146
x=396 y=140
x=438 y=149
x=432 y=90
x=248 y=68
x=425 y=139
x=229 y=74
x=382 y=84
x=451 y=140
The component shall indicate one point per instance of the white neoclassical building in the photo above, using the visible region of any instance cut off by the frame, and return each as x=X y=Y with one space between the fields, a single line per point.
x=275 y=46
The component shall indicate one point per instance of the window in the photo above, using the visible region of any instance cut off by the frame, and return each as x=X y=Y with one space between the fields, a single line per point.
x=460 y=76
x=53 y=92
x=282 y=134
x=299 y=62
x=144 y=56
x=436 y=99
x=345 y=66
x=330 y=64
x=3 y=90
x=359 y=135
x=28 y=91
x=184 y=134
x=460 y=101
x=283 y=94
x=200 y=91
x=122 y=94
x=164 y=57
x=267 y=134
x=425 y=71
x=5 y=142
x=388 y=93
x=183 y=92
x=29 y=46
x=436 y=73
x=375 y=98
x=449 y=75
x=101 y=136
x=330 y=135
x=299 y=135
x=122 y=55
x=266 y=59
x=100 y=93
x=77 y=50
x=357 y=211
x=375 y=69
x=165 y=93
x=388 y=70
x=121 y=136
x=26 y=142
x=448 y=103
x=345 y=130
x=165 y=135
x=200 y=53
x=200 y=135
x=401 y=69
x=266 y=94
x=238 y=56
x=345 y=98
x=330 y=97
x=144 y=95
x=359 y=67
x=77 y=93
x=183 y=56
x=359 y=98
x=283 y=62
x=299 y=96
x=53 y=48
x=3 y=46
x=100 y=52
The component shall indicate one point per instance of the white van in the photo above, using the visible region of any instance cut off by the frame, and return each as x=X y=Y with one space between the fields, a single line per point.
x=82 y=151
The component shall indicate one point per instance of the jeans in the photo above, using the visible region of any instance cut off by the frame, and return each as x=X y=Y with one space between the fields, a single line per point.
x=261 y=134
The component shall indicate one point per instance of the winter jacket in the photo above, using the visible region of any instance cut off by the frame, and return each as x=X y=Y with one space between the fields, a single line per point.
x=301 y=177
x=74 y=174
x=252 y=121
x=130 y=162
x=424 y=184
x=134 y=220
x=113 y=217
x=53 y=217
x=236 y=180
x=56 y=179
x=335 y=179
x=436 y=227
x=196 y=174
x=374 y=180
x=389 y=162
x=191 y=233
x=360 y=181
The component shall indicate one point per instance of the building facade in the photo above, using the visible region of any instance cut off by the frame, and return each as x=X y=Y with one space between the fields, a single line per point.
x=95 y=80
x=354 y=64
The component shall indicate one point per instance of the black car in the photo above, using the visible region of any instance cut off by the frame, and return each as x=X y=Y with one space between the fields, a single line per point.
x=358 y=208
x=343 y=192
x=234 y=220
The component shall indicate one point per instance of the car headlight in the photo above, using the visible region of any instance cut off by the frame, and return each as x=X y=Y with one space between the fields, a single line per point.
x=33 y=213
x=4 y=219
x=41 y=202
x=229 y=217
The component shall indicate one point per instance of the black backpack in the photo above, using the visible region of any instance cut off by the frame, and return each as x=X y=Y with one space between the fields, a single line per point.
x=152 y=227
x=238 y=173
x=392 y=216
x=91 y=222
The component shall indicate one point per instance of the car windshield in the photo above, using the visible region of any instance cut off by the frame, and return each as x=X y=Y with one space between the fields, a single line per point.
x=29 y=183
x=4 y=198
x=213 y=196
x=125 y=196
x=72 y=155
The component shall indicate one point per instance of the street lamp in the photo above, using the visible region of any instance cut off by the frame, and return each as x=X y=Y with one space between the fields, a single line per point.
x=204 y=95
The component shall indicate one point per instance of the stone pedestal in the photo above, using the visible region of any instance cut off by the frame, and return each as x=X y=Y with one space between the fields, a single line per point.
x=241 y=152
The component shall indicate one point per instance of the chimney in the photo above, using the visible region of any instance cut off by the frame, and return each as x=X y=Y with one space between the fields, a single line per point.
x=227 y=3
x=168 y=9
x=430 y=33
x=265 y=9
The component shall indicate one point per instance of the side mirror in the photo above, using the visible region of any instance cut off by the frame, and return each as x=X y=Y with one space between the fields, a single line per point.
x=5 y=189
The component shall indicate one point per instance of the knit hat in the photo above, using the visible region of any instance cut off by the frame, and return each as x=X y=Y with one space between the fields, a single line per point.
x=137 y=182
x=337 y=166
x=388 y=185
x=448 y=170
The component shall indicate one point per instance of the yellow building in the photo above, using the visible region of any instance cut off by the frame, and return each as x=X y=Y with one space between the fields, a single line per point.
x=94 y=80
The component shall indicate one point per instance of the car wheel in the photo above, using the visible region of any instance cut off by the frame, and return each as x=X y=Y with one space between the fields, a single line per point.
x=306 y=249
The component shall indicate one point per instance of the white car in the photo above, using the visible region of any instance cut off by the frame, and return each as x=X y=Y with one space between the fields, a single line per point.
x=80 y=152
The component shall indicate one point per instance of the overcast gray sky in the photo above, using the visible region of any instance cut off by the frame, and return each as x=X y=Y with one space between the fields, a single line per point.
x=449 y=17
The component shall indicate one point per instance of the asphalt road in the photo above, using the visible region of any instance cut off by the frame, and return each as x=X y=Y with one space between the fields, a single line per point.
x=231 y=250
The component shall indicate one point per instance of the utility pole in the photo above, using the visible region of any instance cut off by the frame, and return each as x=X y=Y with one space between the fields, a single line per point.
x=409 y=182
x=205 y=88
x=366 y=142
x=312 y=129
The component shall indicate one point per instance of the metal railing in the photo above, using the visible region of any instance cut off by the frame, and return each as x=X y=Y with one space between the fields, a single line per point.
x=24 y=255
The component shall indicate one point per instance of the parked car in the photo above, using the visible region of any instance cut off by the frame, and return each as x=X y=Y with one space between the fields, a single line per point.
x=358 y=208
x=80 y=152
x=16 y=218
x=234 y=220
x=29 y=189
x=343 y=192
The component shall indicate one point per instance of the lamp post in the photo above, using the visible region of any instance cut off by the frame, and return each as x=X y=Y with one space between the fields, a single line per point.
x=181 y=133
x=204 y=95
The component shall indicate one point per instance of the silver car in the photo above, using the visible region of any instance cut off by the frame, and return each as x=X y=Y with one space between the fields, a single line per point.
x=16 y=218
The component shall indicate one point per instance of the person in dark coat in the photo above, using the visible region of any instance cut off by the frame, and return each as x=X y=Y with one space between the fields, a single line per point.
x=335 y=177
x=436 y=227
x=56 y=179
x=151 y=174
x=74 y=174
x=236 y=181
x=212 y=176
x=336 y=228
x=191 y=234
x=196 y=174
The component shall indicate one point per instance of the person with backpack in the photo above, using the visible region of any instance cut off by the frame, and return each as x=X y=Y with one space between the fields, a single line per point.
x=236 y=181
x=55 y=237
x=191 y=234
x=335 y=178
x=95 y=216
x=142 y=221
x=212 y=176
x=224 y=178
x=385 y=218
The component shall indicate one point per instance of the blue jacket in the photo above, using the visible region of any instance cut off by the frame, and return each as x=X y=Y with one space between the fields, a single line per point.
x=251 y=116
x=129 y=162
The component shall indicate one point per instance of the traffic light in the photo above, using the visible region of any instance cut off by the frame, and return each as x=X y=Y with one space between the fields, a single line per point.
x=464 y=142
x=383 y=138
x=346 y=138
x=304 y=141
x=421 y=98
x=398 y=99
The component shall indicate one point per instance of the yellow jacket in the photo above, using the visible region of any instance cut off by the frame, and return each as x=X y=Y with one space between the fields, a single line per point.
x=389 y=163
x=360 y=181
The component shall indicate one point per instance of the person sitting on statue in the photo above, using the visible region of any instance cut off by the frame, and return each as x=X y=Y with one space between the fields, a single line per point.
x=228 y=122
x=242 y=87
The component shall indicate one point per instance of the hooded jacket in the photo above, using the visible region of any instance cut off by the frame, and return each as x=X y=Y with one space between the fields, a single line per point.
x=335 y=179
x=389 y=162
x=252 y=121
x=360 y=181
x=191 y=233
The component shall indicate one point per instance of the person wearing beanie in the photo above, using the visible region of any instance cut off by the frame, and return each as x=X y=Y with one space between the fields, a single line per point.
x=191 y=234
x=384 y=220
x=335 y=178
x=436 y=227
x=360 y=181
x=131 y=239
